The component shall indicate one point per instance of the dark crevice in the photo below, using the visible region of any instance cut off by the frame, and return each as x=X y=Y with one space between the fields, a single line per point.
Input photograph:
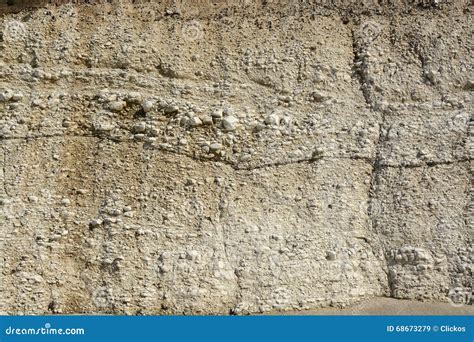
x=376 y=162
x=358 y=72
x=4 y=171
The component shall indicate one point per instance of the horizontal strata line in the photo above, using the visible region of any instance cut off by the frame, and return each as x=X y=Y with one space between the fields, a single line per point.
x=427 y=164
x=46 y=136
x=240 y=167
x=366 y=159
x=303 y=160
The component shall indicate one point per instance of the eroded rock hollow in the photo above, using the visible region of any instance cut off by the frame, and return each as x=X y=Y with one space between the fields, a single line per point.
x=221 y=157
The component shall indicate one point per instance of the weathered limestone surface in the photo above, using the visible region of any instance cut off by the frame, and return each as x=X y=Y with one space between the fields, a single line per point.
x=235 y=156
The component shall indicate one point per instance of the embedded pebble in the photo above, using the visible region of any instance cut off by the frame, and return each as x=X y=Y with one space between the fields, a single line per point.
x=139 y=127
x=215 y=147
x=229 y=123
x=195 y=121
x=171 y=109
x=5 y=96
x=148 y=106
x=117 y=106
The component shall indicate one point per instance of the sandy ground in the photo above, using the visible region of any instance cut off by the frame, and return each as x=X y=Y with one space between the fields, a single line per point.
x=391 y=306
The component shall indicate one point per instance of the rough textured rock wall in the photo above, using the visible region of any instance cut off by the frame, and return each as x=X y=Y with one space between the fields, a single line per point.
x=239 y=157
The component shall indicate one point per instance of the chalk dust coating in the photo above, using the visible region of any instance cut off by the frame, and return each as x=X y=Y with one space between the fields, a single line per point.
x=234 y=157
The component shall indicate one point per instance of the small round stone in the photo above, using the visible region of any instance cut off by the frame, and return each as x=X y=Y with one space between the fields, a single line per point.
x=215 y=147
x=147 y=106
x=207 y=120
x=5 y=96
x=217 y=114
x=139 y=127
x=33 y=199
x=17 y=97
x=229 y=123
x=117 y=106
x=95 y=223
x=195 y=121
x=272 y=119
x=171 y=109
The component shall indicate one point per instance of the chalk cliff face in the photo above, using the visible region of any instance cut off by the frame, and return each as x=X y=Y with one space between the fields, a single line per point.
x=234 y=156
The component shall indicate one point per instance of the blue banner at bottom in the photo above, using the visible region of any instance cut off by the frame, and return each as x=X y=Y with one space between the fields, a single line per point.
x=236 y=328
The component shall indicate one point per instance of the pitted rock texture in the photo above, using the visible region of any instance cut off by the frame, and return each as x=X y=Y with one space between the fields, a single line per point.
x=234 y=157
